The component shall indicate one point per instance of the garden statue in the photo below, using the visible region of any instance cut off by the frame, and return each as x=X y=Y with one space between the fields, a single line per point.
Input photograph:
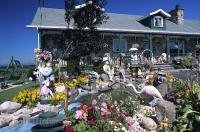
x=134 y=58
x=162 y=58
x=108 y=70
x=45 y=90
x=147 y=90
x=44 y=72
x=120 y=70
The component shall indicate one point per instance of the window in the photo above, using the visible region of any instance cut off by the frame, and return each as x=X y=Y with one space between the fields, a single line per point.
x=158 y=21
x=119 y=45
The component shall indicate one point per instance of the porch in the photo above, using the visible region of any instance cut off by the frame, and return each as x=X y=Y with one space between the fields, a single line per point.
x=151 y=46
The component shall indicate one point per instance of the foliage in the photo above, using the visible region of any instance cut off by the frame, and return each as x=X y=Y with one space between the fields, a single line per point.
x=81 y=42
x=127 y=103
x=98 y=68
x=106 y=112
x=30 y=74
x=80 y=80
x=187 y=61
x=10 y=93
x=188 y=101
x=56 y=98
x=97 y=117
x=147 y=64
x=28 y=97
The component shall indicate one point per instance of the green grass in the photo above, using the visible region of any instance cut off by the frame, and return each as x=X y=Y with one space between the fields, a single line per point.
x=10 y=93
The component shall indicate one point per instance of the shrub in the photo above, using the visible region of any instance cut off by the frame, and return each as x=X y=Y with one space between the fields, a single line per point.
x=28 y=97
x=189 y=61
x=56 y=98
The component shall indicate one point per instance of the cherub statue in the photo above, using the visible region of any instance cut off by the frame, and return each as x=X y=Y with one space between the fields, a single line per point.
x=109 y=70
x=44 y=72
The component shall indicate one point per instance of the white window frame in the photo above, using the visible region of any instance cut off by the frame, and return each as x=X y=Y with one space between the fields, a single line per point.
x=119 y=47
x=161 y=20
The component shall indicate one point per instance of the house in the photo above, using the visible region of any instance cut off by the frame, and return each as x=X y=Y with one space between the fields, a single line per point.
x=159 y=31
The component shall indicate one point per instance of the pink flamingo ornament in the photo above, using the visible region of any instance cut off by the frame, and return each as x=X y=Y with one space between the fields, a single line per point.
x=147 y=90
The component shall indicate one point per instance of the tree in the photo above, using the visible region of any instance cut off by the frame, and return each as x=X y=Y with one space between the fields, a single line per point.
x=81 y=38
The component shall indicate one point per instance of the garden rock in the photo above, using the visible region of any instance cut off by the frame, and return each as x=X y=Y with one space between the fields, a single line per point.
x=35 y=110
x=23 y=111
x=9 y=107
x=163 y=89
x=146 y=110
x=4 y=120
x=73 y=94
x=104 y=77
x=13 y=122
x=148 y=123
x=165 y=109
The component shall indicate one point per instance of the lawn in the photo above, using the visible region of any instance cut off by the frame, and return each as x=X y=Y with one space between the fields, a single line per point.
x=10 y=93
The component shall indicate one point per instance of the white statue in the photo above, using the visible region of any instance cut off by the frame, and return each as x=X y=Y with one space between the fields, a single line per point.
x=108 y=70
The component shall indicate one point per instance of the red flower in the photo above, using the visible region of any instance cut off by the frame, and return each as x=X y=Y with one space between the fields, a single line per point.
x=68 y=128
x=91 y=122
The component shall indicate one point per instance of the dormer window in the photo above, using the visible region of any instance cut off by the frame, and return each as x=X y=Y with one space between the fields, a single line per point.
x=158 y=21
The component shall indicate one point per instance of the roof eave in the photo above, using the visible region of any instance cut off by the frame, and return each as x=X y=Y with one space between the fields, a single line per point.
x=117 y=30
x=161 y=11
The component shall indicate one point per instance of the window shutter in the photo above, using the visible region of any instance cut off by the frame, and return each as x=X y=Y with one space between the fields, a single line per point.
x=123 y=45
x=116 y=45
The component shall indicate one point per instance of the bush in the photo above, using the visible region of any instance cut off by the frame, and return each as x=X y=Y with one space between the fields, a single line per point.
x=189 y=61
x=28 y=97
x=188 y=103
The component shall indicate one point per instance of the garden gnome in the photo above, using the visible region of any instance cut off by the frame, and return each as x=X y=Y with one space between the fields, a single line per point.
x=108 y=70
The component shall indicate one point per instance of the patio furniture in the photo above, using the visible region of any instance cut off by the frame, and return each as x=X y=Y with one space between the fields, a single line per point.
x=3 y=83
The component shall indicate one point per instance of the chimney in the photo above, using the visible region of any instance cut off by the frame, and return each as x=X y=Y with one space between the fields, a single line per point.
x=177 y=15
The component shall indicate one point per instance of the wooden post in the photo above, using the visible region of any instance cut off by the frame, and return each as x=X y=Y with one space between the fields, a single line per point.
x=66 y=97
x=168 y=48
x=150 y=43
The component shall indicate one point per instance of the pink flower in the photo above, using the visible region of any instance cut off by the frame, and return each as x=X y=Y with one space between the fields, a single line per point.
x=130 y=123
x=79 y=114
x=105 y=111
x=45 y=91
x=94 y=102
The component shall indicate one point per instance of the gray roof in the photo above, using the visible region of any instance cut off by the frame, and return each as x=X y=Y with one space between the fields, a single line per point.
x=55 y=19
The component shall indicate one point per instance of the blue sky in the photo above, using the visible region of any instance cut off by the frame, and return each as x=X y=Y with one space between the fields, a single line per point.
x=19 y=41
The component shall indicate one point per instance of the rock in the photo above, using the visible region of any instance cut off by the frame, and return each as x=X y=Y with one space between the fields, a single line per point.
x=54 y=109
x=23 y=111
x=13 y=122
x=116 y=86
x=9 y=107
x=25 y=116
x=163 y=89
x=73 y=94
x=104 y=77
x=146 y=110
x=35 y=110
x=85 y=87
x=148 y=123
x=165 y=109
x=4 y=120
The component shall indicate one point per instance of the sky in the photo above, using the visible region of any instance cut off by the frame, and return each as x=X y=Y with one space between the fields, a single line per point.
x=19 y=41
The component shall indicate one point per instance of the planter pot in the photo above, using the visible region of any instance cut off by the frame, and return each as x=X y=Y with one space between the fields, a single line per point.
x=44 y=100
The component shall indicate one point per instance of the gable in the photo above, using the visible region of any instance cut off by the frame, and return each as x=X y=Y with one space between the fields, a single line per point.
x=156 y=20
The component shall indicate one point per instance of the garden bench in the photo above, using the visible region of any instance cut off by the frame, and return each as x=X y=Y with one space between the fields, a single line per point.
x=3 y=85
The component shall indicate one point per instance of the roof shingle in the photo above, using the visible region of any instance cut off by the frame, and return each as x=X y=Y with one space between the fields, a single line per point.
x=55 y=18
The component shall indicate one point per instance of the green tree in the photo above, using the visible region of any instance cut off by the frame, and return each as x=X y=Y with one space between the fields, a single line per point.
x=81 y=38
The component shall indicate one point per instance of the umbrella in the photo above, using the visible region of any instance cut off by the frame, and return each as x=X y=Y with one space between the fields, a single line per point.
x=133 y=49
